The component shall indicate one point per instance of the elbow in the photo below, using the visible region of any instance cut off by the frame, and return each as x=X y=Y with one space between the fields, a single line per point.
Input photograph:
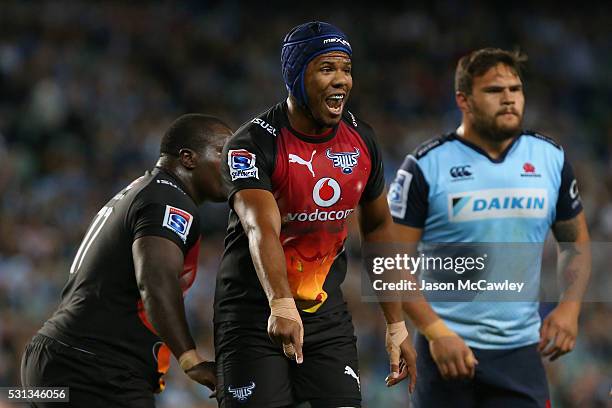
x=151 y=292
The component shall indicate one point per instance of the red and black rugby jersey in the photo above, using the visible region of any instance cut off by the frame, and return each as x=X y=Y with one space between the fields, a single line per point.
x=101 y=310
x=318 y=183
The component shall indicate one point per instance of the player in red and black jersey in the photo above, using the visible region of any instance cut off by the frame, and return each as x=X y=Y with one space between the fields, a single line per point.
x=295 y=174
x=122 y=310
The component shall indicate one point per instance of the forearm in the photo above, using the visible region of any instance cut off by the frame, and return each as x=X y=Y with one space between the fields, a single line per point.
x=416 y=307
x=382 y=234
x=574 y=270
x=261 y=221
x=269 y=261
x=574 y=258
x=392 y=311
x=163 y=302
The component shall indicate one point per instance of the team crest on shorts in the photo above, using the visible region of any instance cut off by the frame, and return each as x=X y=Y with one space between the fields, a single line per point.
x=178 y=221
x=242 y=393
x=345 y=160
x=241 y=163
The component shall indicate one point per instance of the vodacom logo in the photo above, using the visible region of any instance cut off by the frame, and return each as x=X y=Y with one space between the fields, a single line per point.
x=326 y=192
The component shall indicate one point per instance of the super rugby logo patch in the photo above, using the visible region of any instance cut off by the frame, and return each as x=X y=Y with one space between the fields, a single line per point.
x=398 y=193
x=241 y=164
x=345 y=160
x=178 y=221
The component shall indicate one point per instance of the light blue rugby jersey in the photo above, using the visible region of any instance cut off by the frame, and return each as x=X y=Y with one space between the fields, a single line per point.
x=454 y=191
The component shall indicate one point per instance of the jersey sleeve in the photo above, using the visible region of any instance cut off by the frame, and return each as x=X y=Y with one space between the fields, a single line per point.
x=569 y=203
x=376 y=181
x=408 y=195
x=164 y=213
x=248 y=161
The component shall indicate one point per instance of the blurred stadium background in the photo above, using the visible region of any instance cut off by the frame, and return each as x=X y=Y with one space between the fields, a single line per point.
x=87 y=89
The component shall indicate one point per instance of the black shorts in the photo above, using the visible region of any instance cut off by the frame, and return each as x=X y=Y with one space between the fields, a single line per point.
x=253 y=372
x=509 y=378
x=93 y=382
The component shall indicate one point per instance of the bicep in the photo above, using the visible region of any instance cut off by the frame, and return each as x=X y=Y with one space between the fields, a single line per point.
x=154 y=256
x=374 y=214
x=257 y=210
x=405 y=233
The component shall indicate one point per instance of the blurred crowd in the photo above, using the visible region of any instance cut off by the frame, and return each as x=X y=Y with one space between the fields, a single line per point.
x=87 y=89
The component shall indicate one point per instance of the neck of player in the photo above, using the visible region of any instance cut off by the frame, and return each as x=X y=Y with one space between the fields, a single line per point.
x=181 y=174
x=494 y=148
x=301 y=119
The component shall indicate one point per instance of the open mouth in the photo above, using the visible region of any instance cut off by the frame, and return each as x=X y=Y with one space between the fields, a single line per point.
x=334 y=103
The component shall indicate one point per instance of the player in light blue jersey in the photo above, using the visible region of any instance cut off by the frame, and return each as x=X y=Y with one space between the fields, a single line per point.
x=491 y=182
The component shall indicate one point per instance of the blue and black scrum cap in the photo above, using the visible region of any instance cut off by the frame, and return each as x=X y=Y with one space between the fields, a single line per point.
x=301 y=45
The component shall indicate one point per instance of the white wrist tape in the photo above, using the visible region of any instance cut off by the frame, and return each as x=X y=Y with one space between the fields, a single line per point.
x=285 y=307
x=397 y=332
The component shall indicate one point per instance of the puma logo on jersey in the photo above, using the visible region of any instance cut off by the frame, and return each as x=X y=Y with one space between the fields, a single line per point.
x=293 y=158
x=349 y=371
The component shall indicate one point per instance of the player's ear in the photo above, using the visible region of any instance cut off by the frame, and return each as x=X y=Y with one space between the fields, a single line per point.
x=462 y=102
x=188 y=158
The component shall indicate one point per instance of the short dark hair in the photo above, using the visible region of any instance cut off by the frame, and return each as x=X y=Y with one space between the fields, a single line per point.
x=192 y=131
x=480 y=61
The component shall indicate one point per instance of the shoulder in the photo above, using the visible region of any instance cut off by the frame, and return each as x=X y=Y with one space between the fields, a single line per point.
x=163 y=189
x=432 y=145
x=545 y=147
x=255 y=139
x=540 y=138
x=264 y=125
x=359 y=125
x=364 y=130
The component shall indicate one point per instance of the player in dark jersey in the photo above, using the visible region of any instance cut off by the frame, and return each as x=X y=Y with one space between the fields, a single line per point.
x=122 y=310
x=295 y=174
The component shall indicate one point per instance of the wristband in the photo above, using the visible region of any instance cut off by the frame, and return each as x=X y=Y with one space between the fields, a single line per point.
x=436 y=330
x=189 y=359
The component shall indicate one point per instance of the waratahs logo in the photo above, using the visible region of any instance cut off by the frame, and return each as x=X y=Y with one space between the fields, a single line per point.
x=529 y=170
